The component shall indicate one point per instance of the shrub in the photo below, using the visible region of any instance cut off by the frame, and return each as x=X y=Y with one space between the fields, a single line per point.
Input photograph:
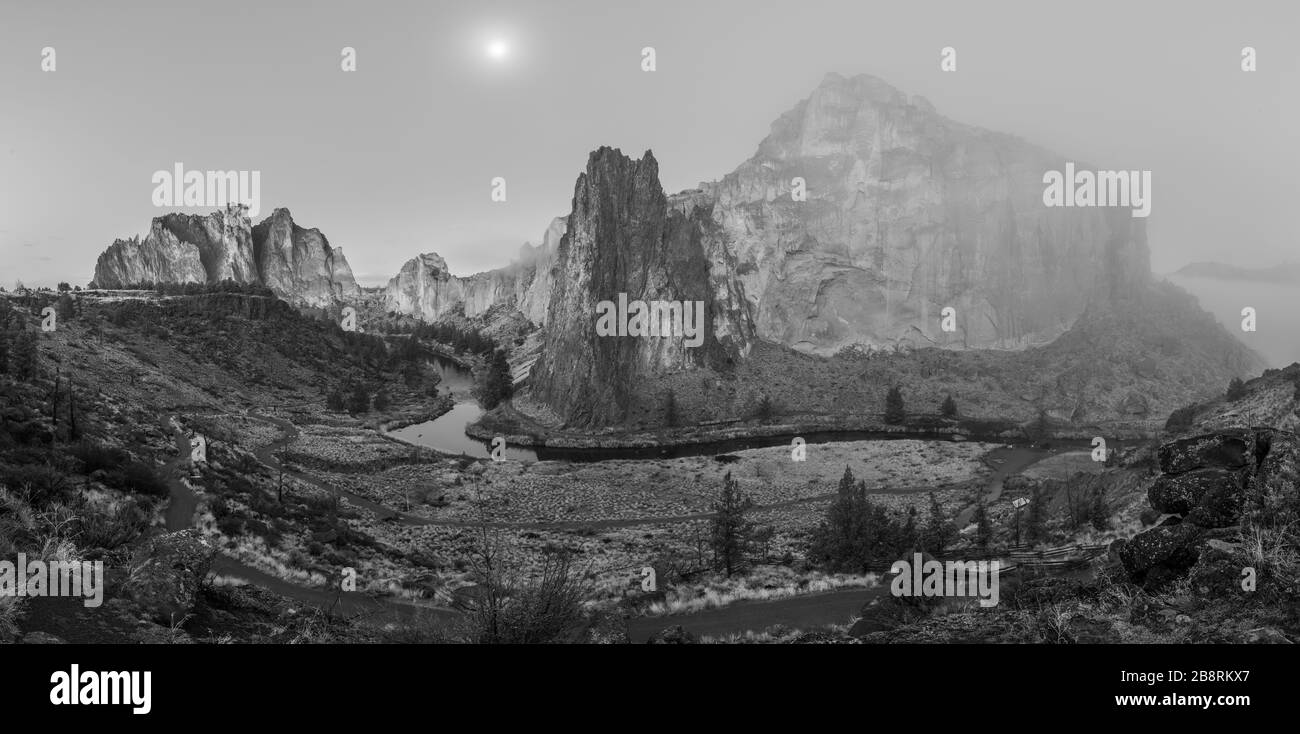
x=1236 y=389
x=142 y=478
x=111 y=530
x=96 y=456
x=1181 y=419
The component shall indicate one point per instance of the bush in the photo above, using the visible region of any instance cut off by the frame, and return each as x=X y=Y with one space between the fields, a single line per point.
x=141 y=478
x=123 y=526
x=1236 y=389
x=95 y=457
x=38 y=485
x=1181 y=419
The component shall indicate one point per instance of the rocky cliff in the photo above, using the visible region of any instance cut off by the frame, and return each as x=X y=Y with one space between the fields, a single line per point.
x=624 y=241
x=908 y=212
x=426 y=288
x=298 y=264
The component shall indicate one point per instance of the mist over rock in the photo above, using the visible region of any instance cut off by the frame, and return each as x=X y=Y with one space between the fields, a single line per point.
x=624 y=238
x=298 y=264
x=425 y=287
x=908 y=212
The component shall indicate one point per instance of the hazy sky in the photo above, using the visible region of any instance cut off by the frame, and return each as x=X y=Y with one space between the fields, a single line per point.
x=397 y=158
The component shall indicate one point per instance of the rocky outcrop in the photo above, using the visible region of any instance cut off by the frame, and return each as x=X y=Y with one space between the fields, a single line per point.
x=298 y=264
x=425 y=287
x=908 y=212
x=166 y=575
x=624 y=241
x=1208 y=485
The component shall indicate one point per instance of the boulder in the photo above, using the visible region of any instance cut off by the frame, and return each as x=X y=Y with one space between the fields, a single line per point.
x=166 y=574
x=1231 y=449
x=1219 y=508
x=1180 y=493
x=1169 y=545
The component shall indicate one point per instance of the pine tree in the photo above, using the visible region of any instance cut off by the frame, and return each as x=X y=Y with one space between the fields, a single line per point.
x=496 y=384
x=983 y=527
x=73 y=431
x=939 y=531
x=732 y=534
x=895 y=411
x=671 y=417
x=358 y=399
x=1036 y=523
x=949 y=408
x=382 y=401
x=1099 y=513
x=765 y=409
x=335 y=400
x=1236 y=389
x=23 y=357
x=65 y=307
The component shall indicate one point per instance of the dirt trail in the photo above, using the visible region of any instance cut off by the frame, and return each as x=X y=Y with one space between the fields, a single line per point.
x=180 y=516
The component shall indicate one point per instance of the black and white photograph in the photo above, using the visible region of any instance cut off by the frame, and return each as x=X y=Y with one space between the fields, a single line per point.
x=403 y=328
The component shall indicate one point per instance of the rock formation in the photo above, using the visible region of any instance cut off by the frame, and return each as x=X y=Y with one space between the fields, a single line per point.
x=625 y=240
x=426 y=288
x=298 y=264
x=908 y=212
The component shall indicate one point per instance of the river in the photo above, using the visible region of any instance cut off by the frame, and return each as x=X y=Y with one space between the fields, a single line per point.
x=446 y=433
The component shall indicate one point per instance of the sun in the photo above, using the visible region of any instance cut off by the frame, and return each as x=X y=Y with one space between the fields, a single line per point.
x=498 y=49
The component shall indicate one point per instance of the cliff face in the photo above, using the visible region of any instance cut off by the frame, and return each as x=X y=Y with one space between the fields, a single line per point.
x=298 y=264
x=906 y=213
x=425 y=288
x=625 y=241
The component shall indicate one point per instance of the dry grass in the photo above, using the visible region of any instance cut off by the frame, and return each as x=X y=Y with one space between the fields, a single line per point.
x=764 y=584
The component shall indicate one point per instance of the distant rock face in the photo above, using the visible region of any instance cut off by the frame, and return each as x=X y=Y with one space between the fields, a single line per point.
x=424 y=287
x=298 y=264
x=907 y=213
x=624 y=240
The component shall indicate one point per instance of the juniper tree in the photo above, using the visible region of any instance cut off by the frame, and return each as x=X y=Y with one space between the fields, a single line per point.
x=1036 y=523
x=731 y=533
x=949 y=408
x=671 y=417
x=939 y=531
x=895 y=411
x=23 y=357
x=983 y=527
x=1236 y=389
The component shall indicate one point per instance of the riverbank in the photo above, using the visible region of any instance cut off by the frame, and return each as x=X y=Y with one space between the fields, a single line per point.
x=519 y=429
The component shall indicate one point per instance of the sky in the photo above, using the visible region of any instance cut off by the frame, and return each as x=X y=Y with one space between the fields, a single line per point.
x=398 y=157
